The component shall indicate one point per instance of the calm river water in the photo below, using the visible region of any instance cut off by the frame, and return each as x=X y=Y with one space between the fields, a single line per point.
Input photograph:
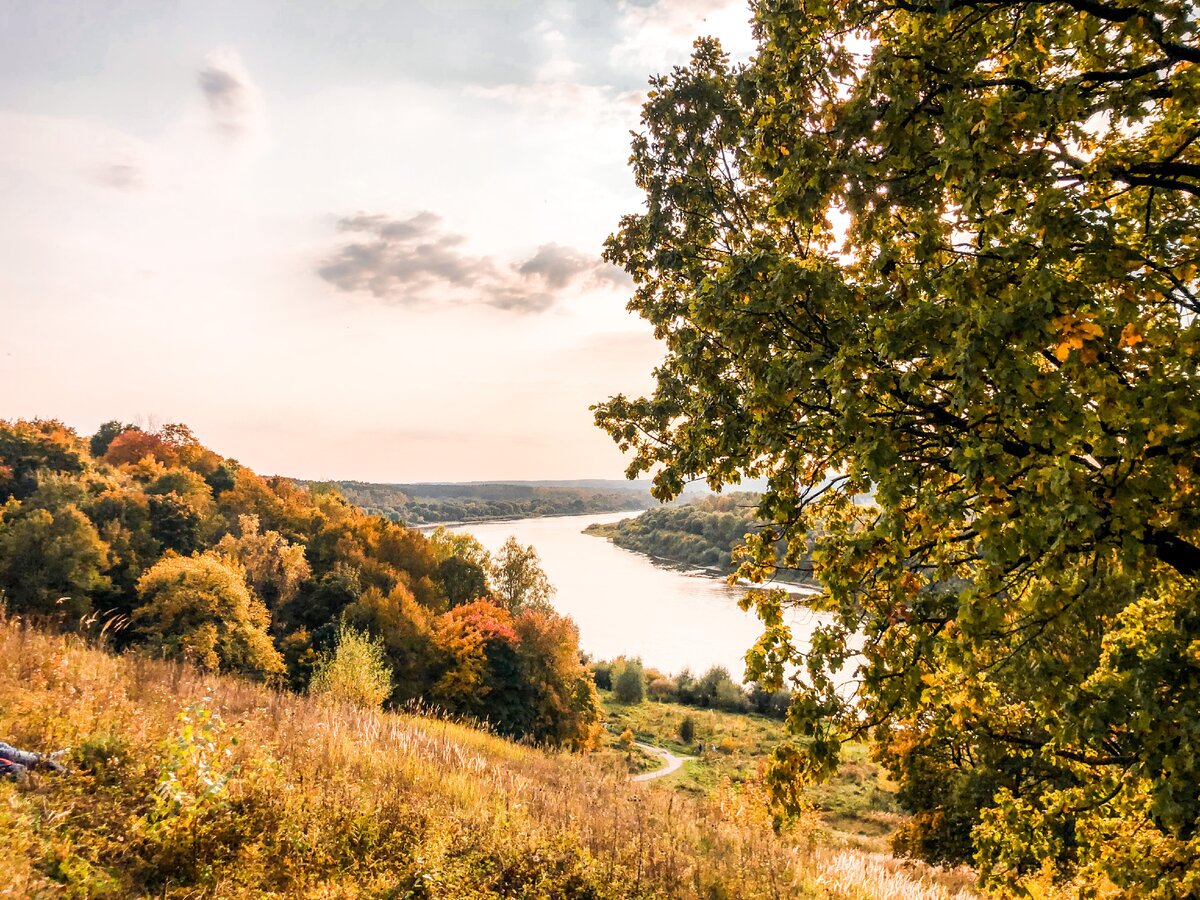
x=625 y=604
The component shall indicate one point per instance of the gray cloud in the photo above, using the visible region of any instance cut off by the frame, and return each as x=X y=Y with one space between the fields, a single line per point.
x=122 y=176
x=560 y=266
x=416 y=261
x=234 y=104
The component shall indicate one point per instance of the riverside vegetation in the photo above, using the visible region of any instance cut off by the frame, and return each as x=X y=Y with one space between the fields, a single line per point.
x=705 y=532
x=420 y=504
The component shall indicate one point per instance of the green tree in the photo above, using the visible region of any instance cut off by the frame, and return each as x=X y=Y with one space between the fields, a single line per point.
x=28 y=448
x=462 y=580
x=51 y=562
x=199 y=608
x=687 y=729
x=355 y=672
x=930 y=268
x=518 y=578
x=629 y=681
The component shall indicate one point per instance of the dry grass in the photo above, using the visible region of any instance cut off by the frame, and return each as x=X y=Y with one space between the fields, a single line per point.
x=330 y=802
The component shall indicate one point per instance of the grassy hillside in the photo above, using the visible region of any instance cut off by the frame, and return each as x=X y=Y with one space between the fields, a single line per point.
x=858 y=806
x=186 y=784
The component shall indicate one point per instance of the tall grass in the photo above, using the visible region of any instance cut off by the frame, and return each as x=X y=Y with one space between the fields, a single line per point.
x=273 y=794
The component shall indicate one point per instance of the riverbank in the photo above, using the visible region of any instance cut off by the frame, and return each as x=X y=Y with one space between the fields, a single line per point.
x=799 y=588
x=702 y=535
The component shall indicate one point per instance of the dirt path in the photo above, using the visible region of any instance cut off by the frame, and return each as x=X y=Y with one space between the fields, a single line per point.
x=672 y=761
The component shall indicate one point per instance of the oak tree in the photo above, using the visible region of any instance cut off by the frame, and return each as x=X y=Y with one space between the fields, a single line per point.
x=930 y=268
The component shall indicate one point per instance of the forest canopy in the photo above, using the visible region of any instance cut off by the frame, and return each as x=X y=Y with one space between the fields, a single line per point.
x=170 y=548
x=946 y=254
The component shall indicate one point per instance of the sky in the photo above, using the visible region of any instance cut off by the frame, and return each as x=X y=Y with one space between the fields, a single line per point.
x=339 y=240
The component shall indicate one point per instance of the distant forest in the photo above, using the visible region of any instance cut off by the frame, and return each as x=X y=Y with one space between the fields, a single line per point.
x=702 y=533
x=426 y=504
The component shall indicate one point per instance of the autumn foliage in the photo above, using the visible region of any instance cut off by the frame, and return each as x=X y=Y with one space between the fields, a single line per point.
x=186 y=554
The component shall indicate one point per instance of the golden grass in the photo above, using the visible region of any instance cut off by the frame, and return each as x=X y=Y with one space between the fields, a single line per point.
x=328 y=802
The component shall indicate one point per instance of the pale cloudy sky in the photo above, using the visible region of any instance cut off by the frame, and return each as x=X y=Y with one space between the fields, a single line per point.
x=354 y=239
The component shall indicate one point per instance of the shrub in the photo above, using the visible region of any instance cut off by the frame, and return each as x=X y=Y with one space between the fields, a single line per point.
x=629 y=682
x=603 y=673
x=661 y=689
x=687 y=729
x=355 y=672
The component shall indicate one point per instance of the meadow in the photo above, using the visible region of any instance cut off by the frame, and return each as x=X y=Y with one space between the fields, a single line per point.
x=187 y=784
x=857 y=807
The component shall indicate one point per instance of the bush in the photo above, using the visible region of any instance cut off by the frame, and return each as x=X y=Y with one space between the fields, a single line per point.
x=356 y=672
x=661 y=689
x=603 y=673
x=687 y=729
x=731 y=698
x=629 y=682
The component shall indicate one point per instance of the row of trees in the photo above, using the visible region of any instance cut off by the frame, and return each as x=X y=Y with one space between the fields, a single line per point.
x=631 y=682
x=947 y=253
x=189 y=555
x=428 y=503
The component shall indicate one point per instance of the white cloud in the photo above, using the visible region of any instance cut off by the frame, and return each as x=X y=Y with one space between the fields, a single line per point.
x=660 y=35
x=67 y=149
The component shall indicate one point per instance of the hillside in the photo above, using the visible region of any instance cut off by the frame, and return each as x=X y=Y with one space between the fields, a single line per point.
x=702 y=533
x=186 y=784
x=194 y=556
x=427 y=504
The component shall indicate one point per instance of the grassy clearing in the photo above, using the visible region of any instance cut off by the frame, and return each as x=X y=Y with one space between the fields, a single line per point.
x=858 y=806
x=253 y=793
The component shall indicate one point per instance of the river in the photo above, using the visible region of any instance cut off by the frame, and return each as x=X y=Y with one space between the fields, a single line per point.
x=624 y=603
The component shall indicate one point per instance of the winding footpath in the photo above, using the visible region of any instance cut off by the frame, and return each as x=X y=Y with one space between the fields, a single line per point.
x=672 y=762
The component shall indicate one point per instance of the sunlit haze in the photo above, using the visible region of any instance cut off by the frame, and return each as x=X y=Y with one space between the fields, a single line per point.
x=352 y=240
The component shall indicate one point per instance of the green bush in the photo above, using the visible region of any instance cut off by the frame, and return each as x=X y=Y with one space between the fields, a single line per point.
x=355 y=672
x=687 y=729
x=629 y=681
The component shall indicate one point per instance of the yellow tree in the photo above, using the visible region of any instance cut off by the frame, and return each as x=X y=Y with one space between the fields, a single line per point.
x=199 y=608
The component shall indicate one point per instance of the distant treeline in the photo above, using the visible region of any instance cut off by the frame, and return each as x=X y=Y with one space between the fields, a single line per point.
x=703 y=533
x=425 y=504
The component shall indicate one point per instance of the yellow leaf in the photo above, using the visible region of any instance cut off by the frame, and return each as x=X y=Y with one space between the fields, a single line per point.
x=1131 y=336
